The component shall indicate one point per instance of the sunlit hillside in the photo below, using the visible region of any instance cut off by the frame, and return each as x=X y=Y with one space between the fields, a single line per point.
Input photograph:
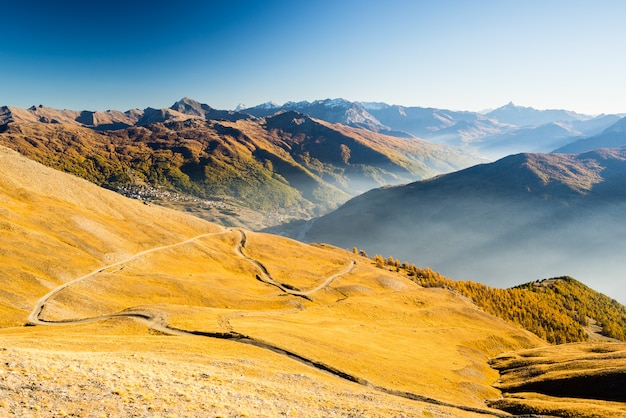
x=133 y=309
x=83 y=264
x=559 y=310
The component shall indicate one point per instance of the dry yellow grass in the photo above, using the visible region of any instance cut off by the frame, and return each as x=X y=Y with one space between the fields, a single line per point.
x=309 y=330
x=117 y=369
x=572 y=380
x=365 y=314
x=56 y=227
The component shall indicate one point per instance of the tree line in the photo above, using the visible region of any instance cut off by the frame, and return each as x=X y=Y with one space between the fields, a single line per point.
x=557 y=310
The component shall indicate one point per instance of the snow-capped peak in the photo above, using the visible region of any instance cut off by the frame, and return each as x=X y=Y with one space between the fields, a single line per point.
x=334 y=103
x=374 y=105
x=292 y=104
x=268 y=105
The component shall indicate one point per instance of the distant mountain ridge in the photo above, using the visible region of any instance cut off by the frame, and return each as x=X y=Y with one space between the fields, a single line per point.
x=508 y=129
x=612 y=137
x=528 y=116
x=503 y=131
x=184 y=109
x=330 y=110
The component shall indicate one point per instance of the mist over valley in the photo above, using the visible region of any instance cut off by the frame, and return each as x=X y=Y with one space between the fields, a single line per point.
x=525 y=217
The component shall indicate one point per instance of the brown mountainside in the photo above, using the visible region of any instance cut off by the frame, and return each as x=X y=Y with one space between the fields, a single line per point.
x=261 y=171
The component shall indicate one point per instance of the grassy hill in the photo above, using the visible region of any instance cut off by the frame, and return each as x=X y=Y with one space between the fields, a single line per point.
x=156 y=312
x=572 y=380
x=558 y=310
x=94 y=260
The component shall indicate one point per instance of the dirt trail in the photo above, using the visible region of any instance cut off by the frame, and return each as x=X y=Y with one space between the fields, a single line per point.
x=267 y=278
x=159 y=323
x=33 y=318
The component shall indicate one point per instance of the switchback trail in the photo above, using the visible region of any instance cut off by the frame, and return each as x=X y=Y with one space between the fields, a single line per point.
x=267 y=278
x=158 y=323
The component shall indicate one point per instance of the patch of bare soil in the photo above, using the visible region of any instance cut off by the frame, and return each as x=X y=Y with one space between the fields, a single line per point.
x=594 y=331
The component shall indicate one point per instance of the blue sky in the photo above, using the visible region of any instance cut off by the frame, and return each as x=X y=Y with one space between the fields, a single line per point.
x=469 y=55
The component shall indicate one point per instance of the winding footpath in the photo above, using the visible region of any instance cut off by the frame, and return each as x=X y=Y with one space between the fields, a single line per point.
x=34 y=319
x=158 y=323
x=267 y=278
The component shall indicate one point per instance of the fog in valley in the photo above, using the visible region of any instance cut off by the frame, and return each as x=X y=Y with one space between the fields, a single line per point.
x=488 y=225
x=505 y=251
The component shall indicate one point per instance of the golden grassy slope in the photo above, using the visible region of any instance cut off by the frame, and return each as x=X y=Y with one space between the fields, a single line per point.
x=388 y=337
x=571 y=380
x=373 y=325
x=92 y=370
x=56 y=227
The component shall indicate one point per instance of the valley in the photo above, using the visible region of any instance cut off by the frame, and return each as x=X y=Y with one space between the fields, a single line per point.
x=522 y=218
x=225 y=166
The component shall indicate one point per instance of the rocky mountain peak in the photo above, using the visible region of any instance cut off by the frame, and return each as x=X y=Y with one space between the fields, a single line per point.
x=191 y=107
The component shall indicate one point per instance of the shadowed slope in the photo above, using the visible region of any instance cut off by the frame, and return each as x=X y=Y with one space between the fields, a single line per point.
x=527 y=216
x=568 y=380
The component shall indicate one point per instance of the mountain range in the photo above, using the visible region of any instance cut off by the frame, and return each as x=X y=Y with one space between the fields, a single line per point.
x=493 y=134
x=507 y=130
x=184 y=109
x=263 y=171
x=526 y=215
x=279 y=166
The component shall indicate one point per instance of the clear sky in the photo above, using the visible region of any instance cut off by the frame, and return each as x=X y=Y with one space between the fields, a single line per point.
x=469 y=55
